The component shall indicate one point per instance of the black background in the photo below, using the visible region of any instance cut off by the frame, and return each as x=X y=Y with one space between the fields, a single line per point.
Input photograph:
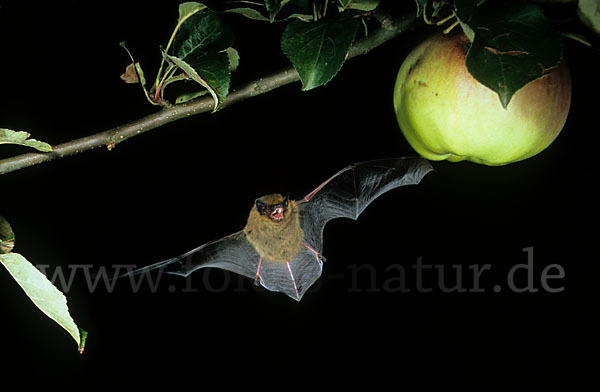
x=170 y=190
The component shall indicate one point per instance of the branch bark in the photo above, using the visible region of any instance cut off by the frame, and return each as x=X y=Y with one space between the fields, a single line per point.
x=390 y=28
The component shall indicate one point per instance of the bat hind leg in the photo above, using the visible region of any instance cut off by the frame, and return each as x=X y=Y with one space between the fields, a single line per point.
x=315 y=252
x=297 y=298
x=257 y=279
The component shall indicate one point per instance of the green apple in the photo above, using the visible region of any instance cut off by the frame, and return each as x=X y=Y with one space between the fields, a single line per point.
x=445 y=113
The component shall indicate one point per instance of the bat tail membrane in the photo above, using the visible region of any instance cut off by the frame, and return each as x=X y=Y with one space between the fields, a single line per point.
x=294 y=277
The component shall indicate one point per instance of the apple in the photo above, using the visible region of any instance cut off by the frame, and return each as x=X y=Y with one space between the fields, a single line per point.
x=445 y=113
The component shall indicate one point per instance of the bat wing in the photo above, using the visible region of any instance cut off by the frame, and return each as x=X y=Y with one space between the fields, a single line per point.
x=232 y=253
x=347 y=193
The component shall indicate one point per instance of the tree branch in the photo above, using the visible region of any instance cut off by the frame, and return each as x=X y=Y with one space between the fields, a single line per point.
x=390 y=28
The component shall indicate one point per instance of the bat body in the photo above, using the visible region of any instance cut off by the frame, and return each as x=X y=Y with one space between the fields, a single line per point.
x=280 y=246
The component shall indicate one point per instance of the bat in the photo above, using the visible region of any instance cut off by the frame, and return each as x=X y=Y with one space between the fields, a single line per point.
x=280 y=246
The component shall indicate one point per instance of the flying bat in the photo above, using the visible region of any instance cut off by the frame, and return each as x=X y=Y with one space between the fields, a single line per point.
x=280 y=246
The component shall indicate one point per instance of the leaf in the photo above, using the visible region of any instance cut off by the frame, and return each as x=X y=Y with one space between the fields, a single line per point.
x=188 y=8
x=199 y=48
x=44 y=295
x=202 y=32
x=249 y=13
x=139 y=73
x=211 y=71
x=234 y=58
x=589 y=14
x=190 y=96
x=7 y=237
x=361 y=5
x=130 y=75
x=318 y=49
x=467 y=15
x=273 y=7
x=214 y=69
x=294 y=9
x=513 y=45
x=8 y=136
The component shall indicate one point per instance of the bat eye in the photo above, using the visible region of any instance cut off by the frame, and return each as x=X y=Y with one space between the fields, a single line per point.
x=261 y=206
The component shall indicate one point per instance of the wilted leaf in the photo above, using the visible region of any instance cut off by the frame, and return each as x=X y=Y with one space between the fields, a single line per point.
x=135 y=68
x=318 y=49
x=513 y=45
x=130 y=74
x=44 y=295
x=8 y=136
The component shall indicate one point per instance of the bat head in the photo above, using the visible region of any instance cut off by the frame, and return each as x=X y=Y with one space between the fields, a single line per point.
x=273 y=206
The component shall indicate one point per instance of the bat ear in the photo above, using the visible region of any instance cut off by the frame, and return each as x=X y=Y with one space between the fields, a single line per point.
x=286 y=199
x=261 y=206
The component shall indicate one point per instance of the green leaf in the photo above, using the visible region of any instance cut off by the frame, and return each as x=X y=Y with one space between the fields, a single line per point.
x=214 y=69
x=211 y=71
x=202 y=32
x=361 y=5
x=294 y=9
x=189 y=8
x=202 y=51
x=7 y=237
x=467 y=15
x=44 y=295
x=589 y=13
x=249 y=13
x=234 y=58
x=513 y=45
x=318 y=49
x=183 y=98
x=8 y=136
x=273 y=7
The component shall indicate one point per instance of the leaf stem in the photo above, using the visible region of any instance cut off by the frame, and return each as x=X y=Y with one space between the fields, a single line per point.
x=180 y=22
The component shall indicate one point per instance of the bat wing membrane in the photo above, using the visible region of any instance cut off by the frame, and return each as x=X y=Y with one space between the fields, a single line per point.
x=350 y=191
x=232 y=253
x=346 y=194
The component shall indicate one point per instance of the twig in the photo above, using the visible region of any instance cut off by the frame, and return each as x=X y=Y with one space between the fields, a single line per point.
x=390 y=29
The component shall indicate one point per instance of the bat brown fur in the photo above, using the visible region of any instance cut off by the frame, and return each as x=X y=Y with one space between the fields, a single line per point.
x=275 y=241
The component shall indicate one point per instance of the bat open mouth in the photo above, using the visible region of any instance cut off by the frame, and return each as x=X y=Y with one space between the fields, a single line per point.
x=277 y=214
